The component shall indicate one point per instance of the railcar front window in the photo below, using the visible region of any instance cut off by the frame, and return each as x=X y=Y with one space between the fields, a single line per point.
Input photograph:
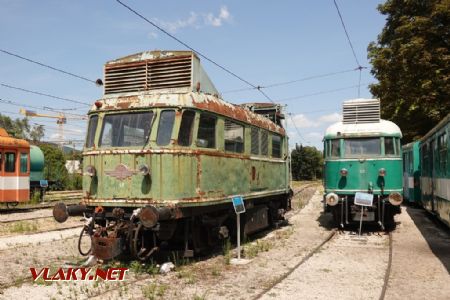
x=165 y=127
x=255 y=140
x=186 y=128
x=264 y=142
x=335 y=148
x=362 y=147
x=10 y=162
x=206 y=135
x=23 y=162
x=389 y=146
x=126 y=130
x=93 y=121
x=234 y=137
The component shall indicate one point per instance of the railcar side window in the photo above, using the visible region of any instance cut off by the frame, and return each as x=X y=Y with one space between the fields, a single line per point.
x=443 y=153
x=255 y=140
x=362 y=146
x=186 y=128
x=125 y=130
x=234 y=137
x=389 y=146
x=336 y=148
x=23 y=162
x=276 y=145
x=93 y=121
x=10 y=162
x=165 y=127
x=264 y=142
x=206 y=135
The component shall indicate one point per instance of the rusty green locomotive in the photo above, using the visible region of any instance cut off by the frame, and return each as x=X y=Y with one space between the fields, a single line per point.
x=164 y=155
x=363 y=157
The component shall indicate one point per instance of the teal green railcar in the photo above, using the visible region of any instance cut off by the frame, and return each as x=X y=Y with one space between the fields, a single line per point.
x=164 y=156
x=411 y=173
x=435 y=175
x=363 y=155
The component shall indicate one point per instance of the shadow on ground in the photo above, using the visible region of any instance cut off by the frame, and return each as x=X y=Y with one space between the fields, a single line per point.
x=434 y=232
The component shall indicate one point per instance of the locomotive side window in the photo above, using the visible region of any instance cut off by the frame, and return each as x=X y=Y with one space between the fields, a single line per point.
x=335 y=148
x=124 y=130
x=255 y=140
x=165 y=127
x=10 y=162
x=362 y=146
x=389 y=146
x=23 y=162
x=264 y=142
x=186 y=128
x=93 y=121
x=276 y=146
x=234 y=137
x=206 y=135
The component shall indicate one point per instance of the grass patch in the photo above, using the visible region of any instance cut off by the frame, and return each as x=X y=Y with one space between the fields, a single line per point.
x=252 y=250
x=226 y=251
x=23 y=226
x=154 y=291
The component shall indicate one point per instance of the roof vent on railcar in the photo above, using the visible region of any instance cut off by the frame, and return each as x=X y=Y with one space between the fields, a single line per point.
x=359 y=111
x=273 y=112
x=177 y=71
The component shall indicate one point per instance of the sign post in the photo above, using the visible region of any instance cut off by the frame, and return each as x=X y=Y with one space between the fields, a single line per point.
x=239 y=208
x=363 y=199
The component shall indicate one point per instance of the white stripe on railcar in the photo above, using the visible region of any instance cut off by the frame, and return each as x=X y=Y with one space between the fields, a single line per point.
x=14 y=183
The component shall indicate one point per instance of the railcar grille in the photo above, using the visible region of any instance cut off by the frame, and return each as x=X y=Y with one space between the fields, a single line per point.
x=361 y=111
x=148 y=75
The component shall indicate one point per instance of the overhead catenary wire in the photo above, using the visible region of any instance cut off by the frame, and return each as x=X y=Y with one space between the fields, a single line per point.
x=15 y=103
x=44 y=94
x=96 y=82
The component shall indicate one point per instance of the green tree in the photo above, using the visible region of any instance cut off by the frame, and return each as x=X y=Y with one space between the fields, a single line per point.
x=21 y=128
x=55 y=170
x=307 y=163
x=411 y=61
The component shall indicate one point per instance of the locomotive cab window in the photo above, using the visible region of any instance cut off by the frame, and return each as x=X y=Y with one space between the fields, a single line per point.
x=276 y=146
x=186 y=128
x=389 y=146
x=93 y=121
x=125 y=130
x=335 y=148
x=10 y=162
x=206 y=135
x=234 y=137
x=165 y=127
x=362 y=147
x=264 y=142
x=23 y=162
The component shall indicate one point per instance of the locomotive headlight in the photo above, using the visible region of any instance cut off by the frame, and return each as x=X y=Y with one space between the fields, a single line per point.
x=344 y=172
x=144 y=169
x=331 y=199
x=382 y=172
x=395 y=199
x=149 y=216
x=90 y=171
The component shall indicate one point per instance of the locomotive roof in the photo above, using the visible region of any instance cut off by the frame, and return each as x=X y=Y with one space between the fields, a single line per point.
x=381 y=128
x=436 y=128
x=202 y=101
x=7 y=141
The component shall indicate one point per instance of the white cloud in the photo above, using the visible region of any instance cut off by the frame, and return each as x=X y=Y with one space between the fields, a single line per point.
x=197 y=20
x=152 y=35
x=301 y=121
x=331 y=118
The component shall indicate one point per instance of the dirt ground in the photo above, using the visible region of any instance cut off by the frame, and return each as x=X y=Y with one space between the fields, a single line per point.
x=345 y=267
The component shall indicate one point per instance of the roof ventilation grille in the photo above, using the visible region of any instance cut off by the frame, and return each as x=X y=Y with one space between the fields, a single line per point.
x=361 y=111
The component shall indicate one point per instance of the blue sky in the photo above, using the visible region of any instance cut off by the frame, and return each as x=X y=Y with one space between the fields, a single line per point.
x=264 y=42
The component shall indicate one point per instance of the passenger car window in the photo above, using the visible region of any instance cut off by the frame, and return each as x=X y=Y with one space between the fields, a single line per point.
x=362 y=146
x=165 y=127
x=264 y=142
x=234 y=137
x=276 y=145
x=389 y=146
x=10 y=162
x=93 y=121
x=335 y=148
x=255 y=140
x=23 y=162
x=124 y=130
x=206 y=135
x=186 y=128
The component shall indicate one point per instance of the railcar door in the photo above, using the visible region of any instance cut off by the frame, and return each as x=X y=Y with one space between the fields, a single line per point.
x=10 y=178
x=432 y=174
x=2 y=185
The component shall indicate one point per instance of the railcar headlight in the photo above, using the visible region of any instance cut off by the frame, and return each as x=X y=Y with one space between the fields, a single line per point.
x=344 y=172
x=90 y=171
x=149 y=216
x=331 y=199
x=144 y=169
x=382 y=172
x=395 y=199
